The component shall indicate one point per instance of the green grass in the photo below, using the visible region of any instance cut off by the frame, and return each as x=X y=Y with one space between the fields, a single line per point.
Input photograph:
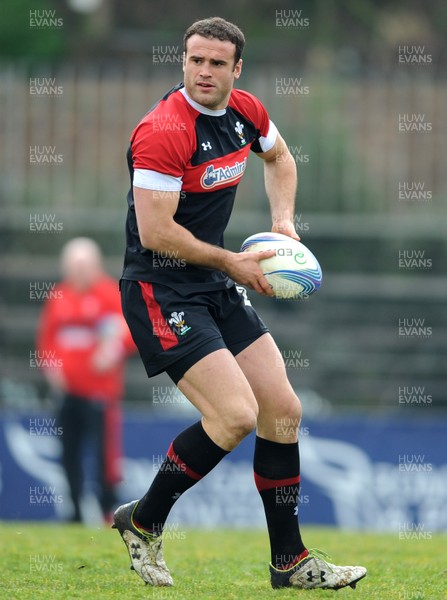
x=69 y=561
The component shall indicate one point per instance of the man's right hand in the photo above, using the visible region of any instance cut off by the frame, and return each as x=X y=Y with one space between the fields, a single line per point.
x=244 y=268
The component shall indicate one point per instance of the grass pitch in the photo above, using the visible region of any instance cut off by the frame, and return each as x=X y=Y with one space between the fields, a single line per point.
x=71 y=561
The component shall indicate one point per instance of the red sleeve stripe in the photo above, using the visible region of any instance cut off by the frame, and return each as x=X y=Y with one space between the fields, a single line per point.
x=175 y=458
x=164 y=333
x=262 y=483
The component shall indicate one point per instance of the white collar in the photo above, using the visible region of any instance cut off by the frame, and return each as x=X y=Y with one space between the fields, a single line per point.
x=203 y=109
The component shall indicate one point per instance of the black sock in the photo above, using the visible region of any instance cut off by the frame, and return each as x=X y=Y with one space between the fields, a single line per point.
x=277 y=477
x=190 y=457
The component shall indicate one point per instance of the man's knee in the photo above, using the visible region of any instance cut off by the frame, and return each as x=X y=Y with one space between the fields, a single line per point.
x=240 y=422
x=289 y=407
x=288 y=414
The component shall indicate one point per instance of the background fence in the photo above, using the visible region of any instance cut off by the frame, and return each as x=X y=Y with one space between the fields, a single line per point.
x=364 y=145
x=370 y=153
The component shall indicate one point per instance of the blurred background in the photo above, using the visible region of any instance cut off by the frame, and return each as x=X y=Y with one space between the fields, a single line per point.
x=358 y=90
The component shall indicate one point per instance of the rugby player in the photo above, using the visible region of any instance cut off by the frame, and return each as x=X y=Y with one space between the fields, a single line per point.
x=189 y=314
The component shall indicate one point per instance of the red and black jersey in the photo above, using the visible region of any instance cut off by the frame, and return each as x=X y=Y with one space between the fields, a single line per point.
x=182 y=146
x=73 y=325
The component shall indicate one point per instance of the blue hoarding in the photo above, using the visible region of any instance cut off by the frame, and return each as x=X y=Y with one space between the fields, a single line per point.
x=357 y=472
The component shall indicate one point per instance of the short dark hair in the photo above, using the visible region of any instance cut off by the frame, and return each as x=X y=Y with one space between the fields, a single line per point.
x=216 y=27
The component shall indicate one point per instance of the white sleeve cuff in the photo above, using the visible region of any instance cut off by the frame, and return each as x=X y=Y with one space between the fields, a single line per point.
x=269 y=140
x=153 y=180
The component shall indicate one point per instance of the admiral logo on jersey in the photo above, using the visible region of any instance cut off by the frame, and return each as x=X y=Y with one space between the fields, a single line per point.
x=222 y=175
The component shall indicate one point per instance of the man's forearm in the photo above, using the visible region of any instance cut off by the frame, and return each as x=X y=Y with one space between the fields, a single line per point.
x=243 y=267
x=281 y=183
x=179 y=243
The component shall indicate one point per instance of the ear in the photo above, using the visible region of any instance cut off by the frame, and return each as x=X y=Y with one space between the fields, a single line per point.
x=183 y=62
x=238 y=69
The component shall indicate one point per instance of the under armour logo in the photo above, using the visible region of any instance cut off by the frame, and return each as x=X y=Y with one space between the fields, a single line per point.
x=206 y=145
x=311 y=576
x=135 y=550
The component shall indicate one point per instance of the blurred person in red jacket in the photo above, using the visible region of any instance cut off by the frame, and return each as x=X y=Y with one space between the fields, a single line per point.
x=82 y=327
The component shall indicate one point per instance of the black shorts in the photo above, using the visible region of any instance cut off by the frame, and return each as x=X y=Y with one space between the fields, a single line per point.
x=173 y=331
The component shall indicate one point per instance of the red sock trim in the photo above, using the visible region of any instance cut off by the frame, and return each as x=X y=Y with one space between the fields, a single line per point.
x=262 y=483
x=140 y=526
x=171 y=454
x=297 y=559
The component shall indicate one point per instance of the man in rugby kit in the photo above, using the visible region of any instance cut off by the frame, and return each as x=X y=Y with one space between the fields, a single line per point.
x=188 y=314
x=83 y=327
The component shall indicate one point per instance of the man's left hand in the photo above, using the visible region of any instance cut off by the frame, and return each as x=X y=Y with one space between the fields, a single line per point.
x=286 y=228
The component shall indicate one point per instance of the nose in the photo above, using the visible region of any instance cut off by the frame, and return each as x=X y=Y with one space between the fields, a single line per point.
x=204 y=70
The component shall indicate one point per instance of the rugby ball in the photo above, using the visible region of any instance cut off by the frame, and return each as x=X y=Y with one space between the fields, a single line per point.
x=294 y=272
